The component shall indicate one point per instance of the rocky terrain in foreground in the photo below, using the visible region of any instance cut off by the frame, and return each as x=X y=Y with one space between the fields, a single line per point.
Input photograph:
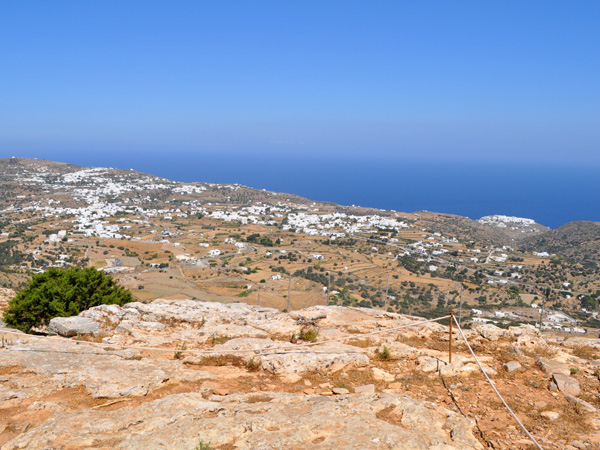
x=174 y=374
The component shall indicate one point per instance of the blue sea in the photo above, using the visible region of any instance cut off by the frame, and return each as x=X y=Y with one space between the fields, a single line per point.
x=552 y=195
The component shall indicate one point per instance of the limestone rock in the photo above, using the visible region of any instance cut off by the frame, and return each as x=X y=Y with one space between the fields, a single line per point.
x=103 y=373
x=73 y=326
x=340 y=391
x=566 y=384
x=489 y=331
x=511 y=366
x=179 y=422
x=381 y=375
x=550 y=415
x=430 y=363
x=551 y=366
x=318 y=358
x=365 y=389
x=581 y=405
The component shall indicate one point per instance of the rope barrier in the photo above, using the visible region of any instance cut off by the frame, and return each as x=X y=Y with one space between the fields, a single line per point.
x=287 y=349
x=494 y=387
x=282 y=349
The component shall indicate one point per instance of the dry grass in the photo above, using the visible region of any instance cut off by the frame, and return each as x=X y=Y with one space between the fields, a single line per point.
x=539 y=351
x=361 y=343
x=222 y=360
x=259 y=399
x=586 y=352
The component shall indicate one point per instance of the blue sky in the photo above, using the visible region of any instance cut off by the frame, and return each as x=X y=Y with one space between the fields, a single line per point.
x=469 y=80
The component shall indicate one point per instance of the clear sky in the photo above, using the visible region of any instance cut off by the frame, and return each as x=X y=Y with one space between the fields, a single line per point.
x=463 y=80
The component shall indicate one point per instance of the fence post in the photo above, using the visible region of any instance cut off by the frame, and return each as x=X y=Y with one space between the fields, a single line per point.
x=450 y=340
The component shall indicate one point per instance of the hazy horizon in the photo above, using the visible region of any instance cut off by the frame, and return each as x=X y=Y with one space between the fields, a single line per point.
x=468 y=81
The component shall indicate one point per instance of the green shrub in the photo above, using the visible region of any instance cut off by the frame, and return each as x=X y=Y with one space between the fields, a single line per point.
x=202 y=446
x=384 y=354
x=62 y=293
x=253 y=365
x=309 y=334
x=179 y=349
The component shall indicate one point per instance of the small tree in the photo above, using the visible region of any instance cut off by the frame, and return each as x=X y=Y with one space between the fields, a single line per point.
x=62 y=293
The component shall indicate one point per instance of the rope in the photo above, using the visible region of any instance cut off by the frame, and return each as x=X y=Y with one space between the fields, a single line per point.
x=282 y=350
x=494 y=387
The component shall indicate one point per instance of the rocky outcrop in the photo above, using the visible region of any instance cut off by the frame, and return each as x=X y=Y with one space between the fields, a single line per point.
x=103 y=373
x=169 y=374
x=273 y=421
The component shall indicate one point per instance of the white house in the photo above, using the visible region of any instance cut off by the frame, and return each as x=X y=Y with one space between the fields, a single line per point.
x=214 y=252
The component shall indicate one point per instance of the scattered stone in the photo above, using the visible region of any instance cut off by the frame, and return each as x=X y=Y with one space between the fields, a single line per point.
x=291 y=378
x=340 y=391
x=553 y=387
x=336 y=367
x=566 y=384
x=511 y=366
x=550 y=415
x=365 y=389
x=381 y=375
x=581 y=405
x=552 y=367
x=395 y=385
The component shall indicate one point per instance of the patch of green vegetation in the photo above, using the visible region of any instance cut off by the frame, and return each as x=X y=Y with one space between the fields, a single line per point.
x=62 y=293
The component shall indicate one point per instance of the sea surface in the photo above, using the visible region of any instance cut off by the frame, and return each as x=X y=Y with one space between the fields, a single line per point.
x=551 y=195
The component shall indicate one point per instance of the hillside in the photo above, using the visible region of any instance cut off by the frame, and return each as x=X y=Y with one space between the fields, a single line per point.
x=221 y=242
x=326 y=351
x=578 y=241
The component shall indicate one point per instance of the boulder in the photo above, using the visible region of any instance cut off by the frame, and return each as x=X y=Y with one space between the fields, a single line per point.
x=73 y=326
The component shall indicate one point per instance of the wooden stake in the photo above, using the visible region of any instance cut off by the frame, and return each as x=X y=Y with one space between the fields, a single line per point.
x=450 y=340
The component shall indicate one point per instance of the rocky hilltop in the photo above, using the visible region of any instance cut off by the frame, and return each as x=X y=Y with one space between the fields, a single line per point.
x=180 y=373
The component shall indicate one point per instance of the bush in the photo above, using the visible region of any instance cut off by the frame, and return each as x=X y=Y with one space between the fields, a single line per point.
x=383 y=354
x=62 y=293
x=309 y=334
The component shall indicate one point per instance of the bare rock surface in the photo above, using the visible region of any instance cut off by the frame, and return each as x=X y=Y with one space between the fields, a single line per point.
x=171 y=373
x=103 y=373
x=179 y=422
